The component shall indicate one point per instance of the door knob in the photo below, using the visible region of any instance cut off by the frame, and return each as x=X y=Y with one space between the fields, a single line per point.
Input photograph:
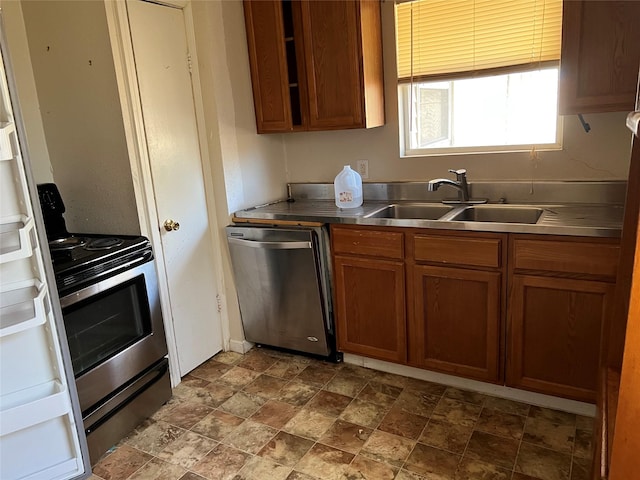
x=170 y=225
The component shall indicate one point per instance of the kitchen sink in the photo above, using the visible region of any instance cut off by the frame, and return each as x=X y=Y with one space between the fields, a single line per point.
x=497 y=214
x=417 y=211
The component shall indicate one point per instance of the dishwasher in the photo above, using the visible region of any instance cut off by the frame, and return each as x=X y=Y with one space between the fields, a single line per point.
x=283 y=280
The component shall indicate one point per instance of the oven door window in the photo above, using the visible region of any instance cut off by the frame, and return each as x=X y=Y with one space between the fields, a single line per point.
x=105 y=324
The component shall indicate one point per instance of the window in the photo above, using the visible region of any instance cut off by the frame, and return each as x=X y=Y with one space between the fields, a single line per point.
x=478 y=75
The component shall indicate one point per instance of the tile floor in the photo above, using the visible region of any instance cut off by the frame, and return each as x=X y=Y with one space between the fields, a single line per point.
x=269 y=415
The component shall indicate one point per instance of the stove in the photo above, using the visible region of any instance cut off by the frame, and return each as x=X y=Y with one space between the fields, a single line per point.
x=108 y=292
x=82 y=259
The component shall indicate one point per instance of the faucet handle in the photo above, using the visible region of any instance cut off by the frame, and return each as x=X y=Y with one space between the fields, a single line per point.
x=460 y=171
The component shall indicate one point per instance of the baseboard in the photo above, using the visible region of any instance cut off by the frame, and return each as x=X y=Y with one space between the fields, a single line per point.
x=240 y=346
x=572 y=406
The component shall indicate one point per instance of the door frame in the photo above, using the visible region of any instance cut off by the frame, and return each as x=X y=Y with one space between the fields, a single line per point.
x=123 y=57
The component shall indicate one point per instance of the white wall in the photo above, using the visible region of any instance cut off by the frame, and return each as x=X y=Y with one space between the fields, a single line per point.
x=36 y=145
x=319 y=156
x=75 y=79
x=248 y=169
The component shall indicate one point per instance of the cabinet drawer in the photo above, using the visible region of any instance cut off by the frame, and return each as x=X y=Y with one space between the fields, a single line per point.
x=586 y=258
x=376 y=243
x=476 y=252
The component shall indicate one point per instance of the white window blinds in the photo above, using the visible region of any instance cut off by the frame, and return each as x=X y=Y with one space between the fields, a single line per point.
x=440 y=39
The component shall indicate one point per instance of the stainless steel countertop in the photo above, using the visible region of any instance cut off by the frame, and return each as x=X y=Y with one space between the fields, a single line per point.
x=586 y=220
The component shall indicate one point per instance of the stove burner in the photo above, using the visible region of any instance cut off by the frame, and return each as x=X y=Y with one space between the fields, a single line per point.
x=67 y=243
x=103 y=243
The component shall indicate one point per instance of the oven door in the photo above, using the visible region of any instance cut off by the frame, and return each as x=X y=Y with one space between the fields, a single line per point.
x=114 y=330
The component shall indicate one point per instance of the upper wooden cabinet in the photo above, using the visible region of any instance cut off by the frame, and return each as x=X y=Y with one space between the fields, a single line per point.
x=315 y=65
x=600 y=56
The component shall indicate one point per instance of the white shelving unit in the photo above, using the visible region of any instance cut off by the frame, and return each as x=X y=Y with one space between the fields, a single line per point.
x=39 y=434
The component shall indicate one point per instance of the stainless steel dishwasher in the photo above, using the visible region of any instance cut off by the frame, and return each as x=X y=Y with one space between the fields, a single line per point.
x=283 y=281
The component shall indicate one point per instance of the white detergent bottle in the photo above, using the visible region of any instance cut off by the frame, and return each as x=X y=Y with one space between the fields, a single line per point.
x=348 y=188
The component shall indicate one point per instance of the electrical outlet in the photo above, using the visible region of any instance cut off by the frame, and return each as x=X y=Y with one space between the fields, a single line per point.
x=363 y=168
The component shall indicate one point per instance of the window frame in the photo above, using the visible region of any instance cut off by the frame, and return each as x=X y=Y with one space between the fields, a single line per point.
x=405 y=135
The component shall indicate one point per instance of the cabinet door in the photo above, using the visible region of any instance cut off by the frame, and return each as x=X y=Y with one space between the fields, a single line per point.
x=456 y=321
x=333 y=64
x=268 y=62
x=370 y=307
x=600 y=56
x=554 y=335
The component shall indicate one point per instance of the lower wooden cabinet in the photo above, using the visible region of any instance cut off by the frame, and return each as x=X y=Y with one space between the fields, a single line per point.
x=370 y=307
x=437 y=300
x=554 y=334
x=455 y=326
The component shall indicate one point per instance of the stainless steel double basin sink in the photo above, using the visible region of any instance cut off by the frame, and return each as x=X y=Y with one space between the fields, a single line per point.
x=459 y=213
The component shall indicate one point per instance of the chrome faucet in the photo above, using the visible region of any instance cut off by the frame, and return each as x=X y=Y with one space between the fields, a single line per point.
x=460 y=183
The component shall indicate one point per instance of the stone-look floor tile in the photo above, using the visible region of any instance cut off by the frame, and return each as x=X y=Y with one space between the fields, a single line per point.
x=553 y=416
x=153 y=436
x=425 y=386
x=446 y=436
x=309 y=424
x=121 y=463
x=221 y=463
x=417 y=402
x=211 y=370
x=217 y=425
x=257 y=360
x=387 y=448
x=250 y=437
x=403 y=423
x=230 y=358
x=300 y=476
x=583 y=447
x=329 y=403
x=286 y=449
x=191 y=476
x=432 y=462
x=325 y=463
x=285 y=369
x=363 y=468
x=581 y=469
x=380 y=393
x=498 y=451
x=500 y=423
x=507 y=406
x=358 y=371
x=466 y=396
x=585 y=423
x=407 y=475
x=456 y=412
x=238 y=377
x=296 y=393
x=346 y=436
x=265 y=386
x=185 y=415
x=158 y=470
x=275 y=414
x=544 y=433
x=243 y=404
x=203 y=392
x=317 y=374
x=187 y=450
x=471 y=469
x=522 y=476
x=392 y=379
x=258 y=468
x=364 y=413
x=346 y=385
x=543 y=463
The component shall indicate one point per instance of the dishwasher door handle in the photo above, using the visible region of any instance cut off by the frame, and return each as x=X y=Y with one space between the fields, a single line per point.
x=270 y=245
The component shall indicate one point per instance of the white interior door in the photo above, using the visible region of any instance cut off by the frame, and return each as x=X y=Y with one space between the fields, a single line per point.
x=162 y=64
